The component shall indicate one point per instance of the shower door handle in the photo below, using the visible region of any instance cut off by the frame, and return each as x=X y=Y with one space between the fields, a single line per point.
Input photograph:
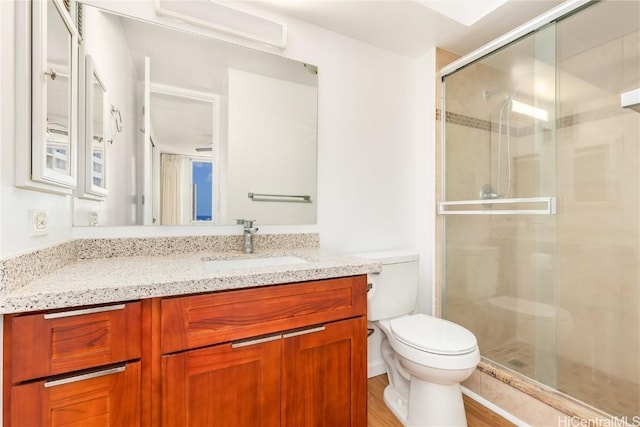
x=548 y=209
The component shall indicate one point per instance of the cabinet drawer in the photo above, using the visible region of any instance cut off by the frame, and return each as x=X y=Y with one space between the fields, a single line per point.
x=108 y=397
x=65 y=341
x=199 y=320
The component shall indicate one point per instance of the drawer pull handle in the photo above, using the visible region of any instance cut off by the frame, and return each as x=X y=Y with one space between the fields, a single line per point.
x=83 y=377
x=83 y=311
x=247 y=343
x=303 y=332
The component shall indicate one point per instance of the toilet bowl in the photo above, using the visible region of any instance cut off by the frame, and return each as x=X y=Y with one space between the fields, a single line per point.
x=426 y=357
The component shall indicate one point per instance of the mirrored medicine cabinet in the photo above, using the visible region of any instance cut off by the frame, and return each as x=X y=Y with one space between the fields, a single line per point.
x=93 y=151
x=47 y=85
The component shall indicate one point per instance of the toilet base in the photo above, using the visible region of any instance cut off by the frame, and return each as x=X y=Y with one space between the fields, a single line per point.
x=434 y=405
x=397 y=403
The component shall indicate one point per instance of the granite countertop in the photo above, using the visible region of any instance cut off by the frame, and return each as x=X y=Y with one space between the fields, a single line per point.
x=104 y=280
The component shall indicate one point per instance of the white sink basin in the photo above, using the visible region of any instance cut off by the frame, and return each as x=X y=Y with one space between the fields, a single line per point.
x=233 y=264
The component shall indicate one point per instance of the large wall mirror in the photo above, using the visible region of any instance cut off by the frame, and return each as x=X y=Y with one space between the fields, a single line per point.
x=201 y=131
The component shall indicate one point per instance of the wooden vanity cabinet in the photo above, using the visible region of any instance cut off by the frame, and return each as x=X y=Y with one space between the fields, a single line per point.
x=290 y=355
x=284 y=355
x=73 y=367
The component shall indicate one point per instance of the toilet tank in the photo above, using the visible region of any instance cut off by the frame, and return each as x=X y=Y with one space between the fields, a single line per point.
x=394 y=290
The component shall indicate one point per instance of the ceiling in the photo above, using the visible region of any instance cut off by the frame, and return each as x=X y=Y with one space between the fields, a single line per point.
x=406 y=27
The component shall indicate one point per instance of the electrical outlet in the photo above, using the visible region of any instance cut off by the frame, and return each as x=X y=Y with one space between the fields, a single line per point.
x=93 y=218
x=39 y=222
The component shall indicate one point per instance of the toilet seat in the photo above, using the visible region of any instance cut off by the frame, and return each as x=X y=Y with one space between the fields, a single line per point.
x=433 y=335
x=412 y=352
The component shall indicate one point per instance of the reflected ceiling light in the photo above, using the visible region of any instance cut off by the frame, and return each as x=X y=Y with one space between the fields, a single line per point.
x=529 y=110
x=219 y=16
x=466 y=12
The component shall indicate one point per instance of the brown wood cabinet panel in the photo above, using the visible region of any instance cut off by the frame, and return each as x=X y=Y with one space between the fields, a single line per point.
x=43 y=345
x=151 y=370
x=223 y=386
x=324 y=376
x=110 y=399
x=200 y=320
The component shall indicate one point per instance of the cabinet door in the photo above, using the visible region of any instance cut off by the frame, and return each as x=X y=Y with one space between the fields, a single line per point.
x=109 y=397
x=226 y=385
x=325 y=376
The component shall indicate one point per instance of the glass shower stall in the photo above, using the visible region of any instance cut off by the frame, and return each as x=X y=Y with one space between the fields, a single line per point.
x=540 y=204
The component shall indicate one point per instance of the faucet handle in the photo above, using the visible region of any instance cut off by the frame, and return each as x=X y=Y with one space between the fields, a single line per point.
x=247 y=223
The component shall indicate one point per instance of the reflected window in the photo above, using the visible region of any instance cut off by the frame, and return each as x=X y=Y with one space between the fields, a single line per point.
x=202 y=182
x=98 y=167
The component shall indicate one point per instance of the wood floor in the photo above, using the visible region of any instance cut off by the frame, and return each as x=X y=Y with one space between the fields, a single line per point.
x=380 y=416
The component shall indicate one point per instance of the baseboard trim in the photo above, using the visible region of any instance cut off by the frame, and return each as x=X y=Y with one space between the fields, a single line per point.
x=375 y=369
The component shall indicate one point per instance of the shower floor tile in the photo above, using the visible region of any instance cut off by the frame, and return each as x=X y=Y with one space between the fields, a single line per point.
x=615 y=396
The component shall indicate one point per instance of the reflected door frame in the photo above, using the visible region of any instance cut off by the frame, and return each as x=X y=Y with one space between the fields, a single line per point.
x=152 y=216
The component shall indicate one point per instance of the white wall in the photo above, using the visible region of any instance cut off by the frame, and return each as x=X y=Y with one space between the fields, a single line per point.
x=271 y=148
x=425 y=158
x=15 y=203
x=366 y=173
x=424 y=210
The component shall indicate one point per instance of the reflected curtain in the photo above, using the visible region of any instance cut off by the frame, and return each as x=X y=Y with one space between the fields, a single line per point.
x=172 y=187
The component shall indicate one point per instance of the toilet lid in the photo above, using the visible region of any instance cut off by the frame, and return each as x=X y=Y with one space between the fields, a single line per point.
x=433 y=335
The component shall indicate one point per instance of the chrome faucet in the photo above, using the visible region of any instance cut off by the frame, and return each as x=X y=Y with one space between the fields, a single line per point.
x=249 y=231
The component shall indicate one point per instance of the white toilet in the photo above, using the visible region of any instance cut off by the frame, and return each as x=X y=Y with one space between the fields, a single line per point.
x=426 y=357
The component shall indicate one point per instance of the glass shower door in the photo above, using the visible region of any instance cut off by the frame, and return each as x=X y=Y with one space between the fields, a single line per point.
x=499 y=204
x=551 y=287
x=599 y=226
